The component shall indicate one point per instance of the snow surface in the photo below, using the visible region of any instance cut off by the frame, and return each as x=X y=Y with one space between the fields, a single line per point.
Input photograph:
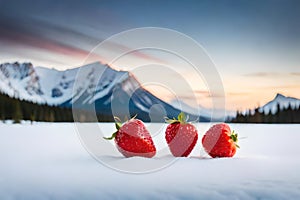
x=47 y=161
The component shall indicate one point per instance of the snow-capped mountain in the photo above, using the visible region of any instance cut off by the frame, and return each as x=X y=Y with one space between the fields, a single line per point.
x=53 y=87
x=36 y=84
x=20 y=80
x=93 y=86
x=282 y=101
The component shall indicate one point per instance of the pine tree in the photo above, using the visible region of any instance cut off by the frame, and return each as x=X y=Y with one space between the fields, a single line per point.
x=17 y=112
x=32 y=116
x=51 y=116
x=2 y=110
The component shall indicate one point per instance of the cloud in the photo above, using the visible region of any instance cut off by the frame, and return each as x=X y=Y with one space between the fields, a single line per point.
x=283 y=86
x=295 y=73
x=202 y=92
x=54 y=38
x=271 y=74
x=207 y=93
x=237 y=93
x=32 y=41
x=261 y=74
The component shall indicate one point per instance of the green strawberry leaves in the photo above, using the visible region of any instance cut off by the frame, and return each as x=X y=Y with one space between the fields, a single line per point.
x=234 y=137
x=181 y=118
x=118 y=124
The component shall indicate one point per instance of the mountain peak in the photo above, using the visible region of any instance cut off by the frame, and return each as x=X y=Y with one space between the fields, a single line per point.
x=17 y=70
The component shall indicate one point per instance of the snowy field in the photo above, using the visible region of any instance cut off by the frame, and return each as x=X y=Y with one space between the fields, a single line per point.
x=47 y=161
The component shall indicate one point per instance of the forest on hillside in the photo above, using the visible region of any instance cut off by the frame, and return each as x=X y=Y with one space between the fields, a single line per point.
x=282 y=115
x=17 y=110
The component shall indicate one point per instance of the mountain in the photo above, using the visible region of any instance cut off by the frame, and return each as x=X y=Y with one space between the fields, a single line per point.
x=217 y=114
x=36 y=84
x=282 y=101
x=91 y=87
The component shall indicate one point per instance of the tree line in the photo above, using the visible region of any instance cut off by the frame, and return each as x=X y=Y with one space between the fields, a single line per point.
x=282 y=115
x=16 y=110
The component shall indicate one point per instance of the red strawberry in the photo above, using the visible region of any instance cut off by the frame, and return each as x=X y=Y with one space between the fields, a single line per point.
x=133 y=139
x=219 y=141
x=181 y=136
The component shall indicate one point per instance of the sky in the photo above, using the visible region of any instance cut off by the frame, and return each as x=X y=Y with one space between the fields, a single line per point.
x=255 y=45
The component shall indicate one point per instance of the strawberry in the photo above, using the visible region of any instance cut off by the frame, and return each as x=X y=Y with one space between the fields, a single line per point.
x=133 y=139
x=181 y=136
x=219 y=141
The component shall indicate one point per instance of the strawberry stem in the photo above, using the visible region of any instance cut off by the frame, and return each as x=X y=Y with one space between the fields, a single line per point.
x=112 y=136
x=181 y=117
x=118 y=125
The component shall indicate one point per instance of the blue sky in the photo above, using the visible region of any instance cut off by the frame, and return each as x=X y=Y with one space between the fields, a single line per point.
x=254 y=44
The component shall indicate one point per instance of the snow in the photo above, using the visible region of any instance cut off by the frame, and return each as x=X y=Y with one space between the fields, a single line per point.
x=86 y=82
x=16 y=79
x=50 y=79
x=48 y=161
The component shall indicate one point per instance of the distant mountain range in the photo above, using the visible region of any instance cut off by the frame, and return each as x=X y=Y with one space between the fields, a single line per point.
x=115 y=88
x=281 y=109
x=283 y=103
